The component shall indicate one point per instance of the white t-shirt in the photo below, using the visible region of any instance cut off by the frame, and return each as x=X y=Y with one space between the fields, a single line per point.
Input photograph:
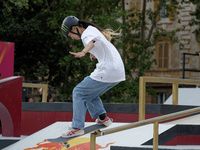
x=110 y=67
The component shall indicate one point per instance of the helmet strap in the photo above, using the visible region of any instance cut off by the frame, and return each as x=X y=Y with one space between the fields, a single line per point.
x=78 y=33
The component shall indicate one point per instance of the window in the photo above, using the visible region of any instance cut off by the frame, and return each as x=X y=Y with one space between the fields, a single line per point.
x=164 y=12
x=163 y=55
x=136 y=4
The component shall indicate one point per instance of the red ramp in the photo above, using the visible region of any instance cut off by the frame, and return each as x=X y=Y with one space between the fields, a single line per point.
x=10 y=106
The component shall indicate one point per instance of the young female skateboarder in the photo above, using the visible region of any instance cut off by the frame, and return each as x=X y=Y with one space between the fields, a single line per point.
x=108 y=73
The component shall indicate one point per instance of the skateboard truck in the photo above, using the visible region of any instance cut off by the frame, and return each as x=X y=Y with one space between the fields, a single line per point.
x=100 y=132
x=67 y=145
x=97 y=131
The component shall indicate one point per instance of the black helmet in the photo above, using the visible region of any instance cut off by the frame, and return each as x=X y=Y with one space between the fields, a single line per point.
x=67 y=24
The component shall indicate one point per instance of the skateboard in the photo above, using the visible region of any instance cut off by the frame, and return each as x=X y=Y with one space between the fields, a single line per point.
x=93 y=128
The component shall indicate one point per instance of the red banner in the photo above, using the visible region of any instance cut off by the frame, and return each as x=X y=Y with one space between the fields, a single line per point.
x=6 y=59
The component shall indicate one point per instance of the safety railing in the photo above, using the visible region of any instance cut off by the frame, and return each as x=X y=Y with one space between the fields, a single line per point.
x=154 y=121
x=43 y=86
x=175 y=84
x=142 y=93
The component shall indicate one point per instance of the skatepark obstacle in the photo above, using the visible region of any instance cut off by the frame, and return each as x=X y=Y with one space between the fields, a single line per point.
x=10 y=106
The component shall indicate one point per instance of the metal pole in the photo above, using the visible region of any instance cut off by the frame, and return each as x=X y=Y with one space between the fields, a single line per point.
x=155 y=135
x=92 y=141
x=183 y=65
x=175 y=93
x=142 y=94
x=123 y=29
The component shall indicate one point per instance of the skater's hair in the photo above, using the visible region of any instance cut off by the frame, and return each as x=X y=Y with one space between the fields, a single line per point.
x=108 y=33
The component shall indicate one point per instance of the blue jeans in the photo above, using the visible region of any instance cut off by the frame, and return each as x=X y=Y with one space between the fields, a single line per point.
x=86 y=96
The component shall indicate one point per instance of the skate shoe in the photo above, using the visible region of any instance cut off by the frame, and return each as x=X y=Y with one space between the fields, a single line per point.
x=73 y=132
x=105 y=122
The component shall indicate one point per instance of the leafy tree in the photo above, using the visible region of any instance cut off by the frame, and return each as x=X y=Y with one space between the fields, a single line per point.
x=104 y=17
x=36 y=44
x=141 y=32
x=41 y=52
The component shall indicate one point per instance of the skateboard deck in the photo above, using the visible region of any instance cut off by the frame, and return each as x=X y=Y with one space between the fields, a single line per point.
x=89 y=129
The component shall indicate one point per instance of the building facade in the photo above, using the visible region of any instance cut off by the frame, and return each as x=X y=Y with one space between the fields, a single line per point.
x=174 y=59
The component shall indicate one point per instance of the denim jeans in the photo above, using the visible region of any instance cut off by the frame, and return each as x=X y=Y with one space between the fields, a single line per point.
x=86 y=96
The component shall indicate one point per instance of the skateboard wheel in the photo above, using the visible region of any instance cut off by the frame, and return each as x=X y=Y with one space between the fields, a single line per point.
x=103 y=133
x=67 y=145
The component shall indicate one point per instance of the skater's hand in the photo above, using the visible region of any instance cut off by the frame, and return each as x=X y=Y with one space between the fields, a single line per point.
x=78 y=55
x=87 y=48
x=92 y=57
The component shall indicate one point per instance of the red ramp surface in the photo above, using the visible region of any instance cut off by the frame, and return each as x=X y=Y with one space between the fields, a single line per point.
x=10 y=106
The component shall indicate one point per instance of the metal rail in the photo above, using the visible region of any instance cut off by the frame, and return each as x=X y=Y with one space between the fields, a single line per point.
x=142 y=93
x=154 y=121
